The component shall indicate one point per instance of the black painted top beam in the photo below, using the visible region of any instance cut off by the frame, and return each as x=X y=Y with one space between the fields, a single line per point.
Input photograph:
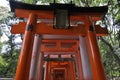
x=53 y=6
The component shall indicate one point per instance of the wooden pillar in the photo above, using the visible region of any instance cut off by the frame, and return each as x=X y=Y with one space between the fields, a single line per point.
x=29 y=62
x=94 y=53
x=35 y=57
x=72 y=71
x=69 y=71
x=87 y=72
x=26 y=50
x=40 y=66
x=46 y=69
x=79 y=66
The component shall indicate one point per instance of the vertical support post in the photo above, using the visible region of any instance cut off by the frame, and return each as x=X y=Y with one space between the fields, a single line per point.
x=69 y=71
x=45 y=73
x=87 y=72
x=46 y=70
x=24 y=61
x=29 y=61
x=35 y=58
x=94 y=53
x=79 y=66
x=72 y=71
x=40 y=66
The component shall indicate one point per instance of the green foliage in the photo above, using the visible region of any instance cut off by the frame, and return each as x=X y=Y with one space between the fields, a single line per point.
x=3 y=65
x=29 y=1
x=11 y=60
x=1 y=47
x=4 y=13
x=111 y=65
x=110 y=45
x=8 y=59
x=2 y=61
x=46 y=1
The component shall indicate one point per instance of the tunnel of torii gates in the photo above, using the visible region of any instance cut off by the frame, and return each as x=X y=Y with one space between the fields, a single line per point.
x=60 y=41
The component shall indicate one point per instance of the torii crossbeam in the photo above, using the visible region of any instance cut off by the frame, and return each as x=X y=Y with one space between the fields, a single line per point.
x=59 y=41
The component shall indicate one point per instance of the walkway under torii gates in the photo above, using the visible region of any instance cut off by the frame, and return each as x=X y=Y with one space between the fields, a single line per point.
x=59 y=41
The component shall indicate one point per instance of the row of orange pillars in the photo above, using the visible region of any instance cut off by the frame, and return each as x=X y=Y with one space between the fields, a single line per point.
x=61 y=59
x=59 y=54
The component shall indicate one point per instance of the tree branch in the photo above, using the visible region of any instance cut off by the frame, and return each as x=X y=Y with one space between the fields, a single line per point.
x=107 y=43
x=111 y=50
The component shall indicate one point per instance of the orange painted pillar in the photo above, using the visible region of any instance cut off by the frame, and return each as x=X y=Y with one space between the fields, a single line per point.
x=69 y=71
x=26 y=50
x=95 y=58
x=94 y=53
x=72 y=71
x=35 y=58
x=40 y=66
x=29 y=61
x=46 y=70
x=86 y=66
x=79 y=66
x=45 y=73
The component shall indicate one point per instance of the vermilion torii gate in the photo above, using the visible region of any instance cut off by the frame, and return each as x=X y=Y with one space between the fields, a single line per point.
x=59 y=41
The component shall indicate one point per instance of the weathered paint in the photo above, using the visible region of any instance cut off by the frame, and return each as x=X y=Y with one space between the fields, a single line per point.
x=87 y=73
x=35 y=57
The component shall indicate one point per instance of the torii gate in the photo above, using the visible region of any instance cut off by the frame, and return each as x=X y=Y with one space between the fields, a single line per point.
x=59 y=42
